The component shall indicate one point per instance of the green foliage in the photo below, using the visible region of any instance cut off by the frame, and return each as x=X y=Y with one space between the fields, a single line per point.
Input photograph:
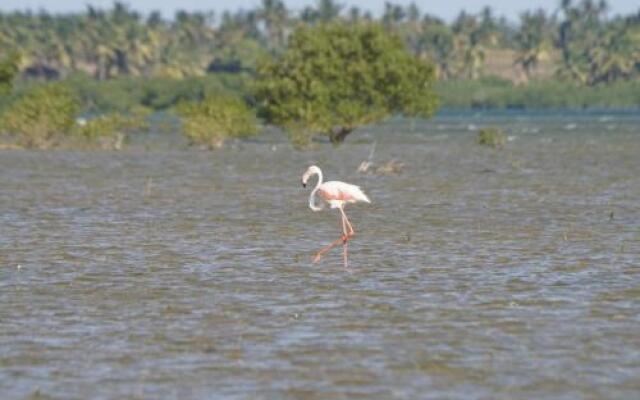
x=497 y=93
x=241 y=55
x=335 y=77
x=492 y=137
x=533 y=40
x=117 y=95
x=120 y=95
x=215 y=119
x=40 y=114
x=113 y=124
x=8 y=71
x=436 y=43
x=593 y=46
x=331 y=79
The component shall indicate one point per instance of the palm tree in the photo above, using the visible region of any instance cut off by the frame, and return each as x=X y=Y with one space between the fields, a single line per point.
x=595 y=49
x=355 y=14
x=324 y=11
x=468 y=45
x=617 y=54
x=436 y=44
x=328 y=10
x=117 y=41
x=274 y=14
x=393 y=15
x=532 y=40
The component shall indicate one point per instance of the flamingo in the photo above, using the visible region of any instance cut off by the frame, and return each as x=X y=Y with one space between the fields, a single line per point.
x=337 y=194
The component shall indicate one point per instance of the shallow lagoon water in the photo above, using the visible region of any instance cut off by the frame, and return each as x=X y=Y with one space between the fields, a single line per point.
x=166 y=272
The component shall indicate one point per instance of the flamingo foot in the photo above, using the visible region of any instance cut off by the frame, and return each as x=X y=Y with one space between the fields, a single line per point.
x=321 y=253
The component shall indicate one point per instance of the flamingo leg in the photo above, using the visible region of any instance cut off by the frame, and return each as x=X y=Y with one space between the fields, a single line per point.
x=349 y=226
x=325 y=249
x=345 y=238
x=348 y=232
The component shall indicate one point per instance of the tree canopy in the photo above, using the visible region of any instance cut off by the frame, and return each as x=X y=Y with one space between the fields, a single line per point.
x=41 y=114
x=335 y=77
x=579 y=41
x=210 y=121
x=8 y=70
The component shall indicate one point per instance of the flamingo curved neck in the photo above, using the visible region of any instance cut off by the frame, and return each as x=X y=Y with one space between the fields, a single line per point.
x=312 y=196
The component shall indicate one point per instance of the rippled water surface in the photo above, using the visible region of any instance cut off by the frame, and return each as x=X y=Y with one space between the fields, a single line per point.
x=166 y=272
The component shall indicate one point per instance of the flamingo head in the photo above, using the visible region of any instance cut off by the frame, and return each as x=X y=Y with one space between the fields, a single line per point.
x=312 y=170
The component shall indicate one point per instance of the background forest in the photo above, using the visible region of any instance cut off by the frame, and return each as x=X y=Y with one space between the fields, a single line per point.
x=576 y=42
x=119 y=60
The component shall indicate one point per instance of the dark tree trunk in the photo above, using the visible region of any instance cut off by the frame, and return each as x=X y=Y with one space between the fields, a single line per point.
x=122 y=62
x=338 y=133
x=101 y=68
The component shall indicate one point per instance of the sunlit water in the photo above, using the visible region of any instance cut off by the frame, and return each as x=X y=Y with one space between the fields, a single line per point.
x=167 y=272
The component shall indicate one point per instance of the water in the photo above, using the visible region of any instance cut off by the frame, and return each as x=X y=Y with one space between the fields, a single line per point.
x=162 y=272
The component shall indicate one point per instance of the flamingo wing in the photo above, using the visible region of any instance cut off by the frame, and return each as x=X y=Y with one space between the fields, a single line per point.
x=342 y=191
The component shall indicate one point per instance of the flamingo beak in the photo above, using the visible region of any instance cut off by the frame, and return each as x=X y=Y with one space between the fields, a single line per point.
x=304 y=184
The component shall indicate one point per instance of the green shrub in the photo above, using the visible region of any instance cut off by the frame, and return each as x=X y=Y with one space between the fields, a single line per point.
x=492 y=137
x=121 y=94
x=495 y=93
x=108 y=131
x=116 y=95
x=215 y=119
x=8 y=71
x=112 y=124
x=40 y=114
x=333 y=78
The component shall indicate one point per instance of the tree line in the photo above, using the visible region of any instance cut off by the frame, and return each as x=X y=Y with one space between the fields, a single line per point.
x=587 y=45
x=324 y=71
x=329 y=80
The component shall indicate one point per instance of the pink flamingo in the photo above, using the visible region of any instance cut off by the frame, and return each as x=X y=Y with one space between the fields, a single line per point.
x=337 y=194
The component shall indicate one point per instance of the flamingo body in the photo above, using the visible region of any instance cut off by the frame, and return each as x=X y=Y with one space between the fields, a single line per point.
x=337 y=194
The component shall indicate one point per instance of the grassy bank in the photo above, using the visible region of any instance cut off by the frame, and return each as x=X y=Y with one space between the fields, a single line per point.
x=123 y=94
x=494 y=93
x=86 y=112
x=80 y=112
